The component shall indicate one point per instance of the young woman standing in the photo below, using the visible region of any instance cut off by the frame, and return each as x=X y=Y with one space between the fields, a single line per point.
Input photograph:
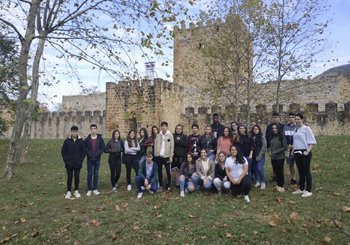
x=224 y=142
x=130 y=157
x=303 y=142
x=259 y=142
x=115 y=148
x=278 y=144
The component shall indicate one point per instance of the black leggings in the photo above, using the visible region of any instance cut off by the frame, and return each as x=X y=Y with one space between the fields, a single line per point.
x=160 y=162
x=303 y=164
x=277 y=165
x=131 y=161
x=242 y=188
x=115 y=165
x=70 y=173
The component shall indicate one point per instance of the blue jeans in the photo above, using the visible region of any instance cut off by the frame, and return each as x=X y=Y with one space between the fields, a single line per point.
x=196 y=180
x=140 y=182
x=183 y=184
x=259 y=170
x=92 y=167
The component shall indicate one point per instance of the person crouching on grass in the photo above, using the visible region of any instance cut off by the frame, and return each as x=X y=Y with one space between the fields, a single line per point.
x=147 y=176
x=73 y=153
x=237 y=171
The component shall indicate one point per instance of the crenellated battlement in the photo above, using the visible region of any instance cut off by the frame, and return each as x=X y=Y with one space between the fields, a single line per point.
x=52 y=125
x=193 y=28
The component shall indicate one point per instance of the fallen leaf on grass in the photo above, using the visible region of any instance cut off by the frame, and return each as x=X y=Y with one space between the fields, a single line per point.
x=337 y=223
x=117 y=208
x=95 y=223
x=292 y=202
x=326 y=239
x=293 y=217
x=229 y=235
x=136 y=227
x=191 y=216
x=114 y=237
x=98 y=209
x=156 y=207
x=336 y=193
x=21 y=220
x=279 y=200
x=36 y=234
x=346 y=209
x=5 y=240
x=273 y=223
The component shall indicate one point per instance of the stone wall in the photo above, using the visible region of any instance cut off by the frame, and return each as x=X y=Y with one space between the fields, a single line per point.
x=136 y=104
x=90 y=102
x=57 y=125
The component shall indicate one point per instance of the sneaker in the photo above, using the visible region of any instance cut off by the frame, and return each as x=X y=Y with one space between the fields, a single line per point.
x=88 y=193
x=68 y=195
x=246 y=198
x=116 y=186
x=169 y=189
x=182 y=194
x=280 y=189
x=298 y=192
x=128 y=188
x=307 y=194
x=293 y=182
x=77 y=194
x=114 y=189
x=263 y=186
x=139 y=195
x=96 y=192
x=257 y=184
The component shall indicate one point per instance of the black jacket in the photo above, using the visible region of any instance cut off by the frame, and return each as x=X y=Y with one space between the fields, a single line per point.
x=115 y=148
x=219 y=172
x=245 y=144
x=73 y=153
x=180 y=144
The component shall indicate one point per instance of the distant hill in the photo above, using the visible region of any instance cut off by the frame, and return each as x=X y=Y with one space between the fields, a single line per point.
x=343 y=70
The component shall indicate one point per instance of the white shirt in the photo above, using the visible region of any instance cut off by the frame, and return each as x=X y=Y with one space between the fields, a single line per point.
x=206 y=166
x=303 y=137
x=236 y=169
x=162 y=148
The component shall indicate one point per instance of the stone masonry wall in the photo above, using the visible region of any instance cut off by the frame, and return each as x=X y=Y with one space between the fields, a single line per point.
x=91 y=102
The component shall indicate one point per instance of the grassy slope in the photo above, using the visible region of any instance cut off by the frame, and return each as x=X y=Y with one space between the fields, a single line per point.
x=36 y=195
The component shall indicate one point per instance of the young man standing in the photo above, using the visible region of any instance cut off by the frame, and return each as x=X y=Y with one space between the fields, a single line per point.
x=289 y=131
x=94 y=146
x=217 y=128
x=194 y=142
x=73 y=153
x=164 y=152
x=180 y=150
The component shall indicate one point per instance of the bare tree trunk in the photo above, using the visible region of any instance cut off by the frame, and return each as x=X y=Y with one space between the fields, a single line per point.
x=15 y=146
x=25 y=142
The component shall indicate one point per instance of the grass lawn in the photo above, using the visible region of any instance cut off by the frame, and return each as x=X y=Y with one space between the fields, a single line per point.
x=33 y=209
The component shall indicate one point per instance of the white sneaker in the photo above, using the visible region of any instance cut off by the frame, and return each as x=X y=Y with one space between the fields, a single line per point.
x=77 y=194
x=246 y=198
x=263 y=186
x=114 y=189
x=128 y=188
x=280 y=189
x=96 y=192
x=257 y=184
x=298 y=192
x=182 y=194
x=139 y=195
x=68 y=195
x=307 y=194
x=88 y=193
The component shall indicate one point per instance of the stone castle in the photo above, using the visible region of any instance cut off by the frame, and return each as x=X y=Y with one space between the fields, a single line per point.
x=325 y=100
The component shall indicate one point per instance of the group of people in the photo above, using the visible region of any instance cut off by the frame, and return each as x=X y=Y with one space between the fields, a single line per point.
x=222 y=158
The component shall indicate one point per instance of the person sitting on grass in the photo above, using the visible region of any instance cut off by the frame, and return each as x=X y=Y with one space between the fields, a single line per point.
x=147 y=176
x=221 y=179
x=73 y=153
x=186 y=170
x=205 y=171
x=237 y=172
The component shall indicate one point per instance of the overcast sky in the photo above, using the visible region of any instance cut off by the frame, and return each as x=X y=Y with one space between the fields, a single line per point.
x=337 y=53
